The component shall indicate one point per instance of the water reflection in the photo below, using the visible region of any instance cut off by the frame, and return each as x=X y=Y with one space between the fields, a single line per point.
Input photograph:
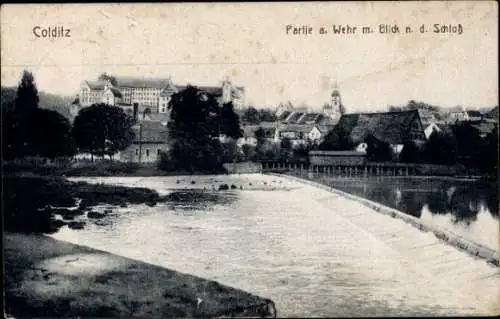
x=463 y=200
x=460 y=201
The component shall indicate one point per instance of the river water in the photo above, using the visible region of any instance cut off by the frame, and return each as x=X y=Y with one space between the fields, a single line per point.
x=463 y=206
x=284 y=240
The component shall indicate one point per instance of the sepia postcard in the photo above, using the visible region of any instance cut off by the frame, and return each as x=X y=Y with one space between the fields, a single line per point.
x=271 y=159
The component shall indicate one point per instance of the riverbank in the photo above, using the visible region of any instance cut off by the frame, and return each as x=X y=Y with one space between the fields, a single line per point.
x=31 y=202
x=96 y=168
x=44 y=204
x=45 y=277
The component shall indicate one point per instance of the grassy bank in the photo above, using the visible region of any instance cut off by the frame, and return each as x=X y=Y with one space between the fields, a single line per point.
x=97 y=168
x=49 y=278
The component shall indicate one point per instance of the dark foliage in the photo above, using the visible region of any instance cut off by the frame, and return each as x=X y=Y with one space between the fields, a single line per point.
x=197 y=122
x=411 y=153
x=441 y=149
x=255 y=116
x=27 y=95
x=53 y=135
x=468 y=141
x=28 y=130
x=286 y=149
x=230 y=121
x=249 y=152
x=260 y=136
x=107 y=77
x=336 y=140
x=378 y=151
x=488 y=158
x=102 y=130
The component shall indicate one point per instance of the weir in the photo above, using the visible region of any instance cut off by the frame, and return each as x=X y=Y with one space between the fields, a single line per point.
x=438 y=257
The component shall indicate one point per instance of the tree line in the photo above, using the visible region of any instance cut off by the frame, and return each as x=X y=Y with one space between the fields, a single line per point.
x=30 y=131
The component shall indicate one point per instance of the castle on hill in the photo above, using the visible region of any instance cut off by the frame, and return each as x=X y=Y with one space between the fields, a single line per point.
x=148 y=97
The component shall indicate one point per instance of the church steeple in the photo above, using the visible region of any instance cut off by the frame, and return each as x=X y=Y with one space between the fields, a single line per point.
x=335 y=100
x=334 y=110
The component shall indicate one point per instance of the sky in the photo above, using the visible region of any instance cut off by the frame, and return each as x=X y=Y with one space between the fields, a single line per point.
x=202 y=44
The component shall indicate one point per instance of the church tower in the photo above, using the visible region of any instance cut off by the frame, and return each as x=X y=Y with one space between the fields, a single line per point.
x=334 y=110
x=335 y=100
x=227 y=91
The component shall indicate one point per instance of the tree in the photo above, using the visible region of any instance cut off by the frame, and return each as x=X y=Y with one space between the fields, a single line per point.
x=267 y=115
x=27 y=95
x=286 y=148
x=468 y=142
x=231 y=152
x=249 y=152
x=11 y=146
x=102 y=129
x=301 y=153
x=260 y=136
x=441 y=149
x=194 y=130
x=230 y=121
x=337 y=140
x=489 y=153
x=23 y=117
x=107 y=77
x=53 y=138
x=410 y=153
x=251 y=116
x=377 y=150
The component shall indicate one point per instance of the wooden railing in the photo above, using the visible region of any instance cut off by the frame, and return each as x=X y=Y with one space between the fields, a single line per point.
x=364 y=170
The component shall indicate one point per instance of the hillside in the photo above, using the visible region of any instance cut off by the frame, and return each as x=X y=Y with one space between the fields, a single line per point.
x=493 y=113
x=48 y=101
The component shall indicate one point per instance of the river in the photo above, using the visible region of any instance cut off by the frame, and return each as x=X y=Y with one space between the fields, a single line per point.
x=293 y=243
x=467 y=207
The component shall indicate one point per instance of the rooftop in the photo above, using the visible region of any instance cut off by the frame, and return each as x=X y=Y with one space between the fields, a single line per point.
x=391 y=127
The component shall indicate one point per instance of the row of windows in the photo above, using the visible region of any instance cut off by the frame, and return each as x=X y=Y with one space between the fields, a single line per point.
x=147 y=152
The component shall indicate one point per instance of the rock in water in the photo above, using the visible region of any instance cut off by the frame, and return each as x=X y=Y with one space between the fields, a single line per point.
x=76 y=225
x=93 y=214
x=223 y=187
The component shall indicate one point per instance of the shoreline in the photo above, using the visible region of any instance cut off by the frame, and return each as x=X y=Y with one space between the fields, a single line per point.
x=48 y=277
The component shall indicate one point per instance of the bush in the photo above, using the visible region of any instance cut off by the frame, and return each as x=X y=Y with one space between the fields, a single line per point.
x=441 y=149
x=378 y=151
x=411 y=153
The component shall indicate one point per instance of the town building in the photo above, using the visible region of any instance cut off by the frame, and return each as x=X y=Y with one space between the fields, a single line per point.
x=150 y=141
x=394 y=128
x=431 y=128
x=298 y=134
x=463 y=116
x=330 y=114
x=147 y=93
